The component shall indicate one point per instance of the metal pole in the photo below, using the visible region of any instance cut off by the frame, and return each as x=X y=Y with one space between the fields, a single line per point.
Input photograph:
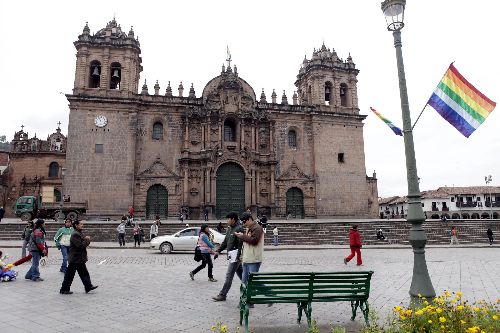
x=421 y=282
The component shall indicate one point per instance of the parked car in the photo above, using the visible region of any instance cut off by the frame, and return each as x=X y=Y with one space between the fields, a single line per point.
x=184 y=240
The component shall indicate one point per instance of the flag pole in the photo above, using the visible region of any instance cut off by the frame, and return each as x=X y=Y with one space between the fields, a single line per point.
x=428 y=101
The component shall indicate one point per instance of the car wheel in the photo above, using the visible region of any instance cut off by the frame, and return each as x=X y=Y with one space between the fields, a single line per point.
x=166 y=248
x=25 y=216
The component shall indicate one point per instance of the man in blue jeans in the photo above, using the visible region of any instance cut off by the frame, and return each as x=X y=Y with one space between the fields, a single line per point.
x=253 y=246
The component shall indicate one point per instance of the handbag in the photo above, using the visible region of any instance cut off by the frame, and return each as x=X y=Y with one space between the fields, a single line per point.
x=197 y=254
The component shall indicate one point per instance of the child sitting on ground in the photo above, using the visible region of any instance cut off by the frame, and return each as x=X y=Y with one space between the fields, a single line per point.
x=6 y=272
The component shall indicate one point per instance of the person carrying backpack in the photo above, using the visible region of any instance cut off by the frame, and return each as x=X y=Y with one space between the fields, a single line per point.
x=38 y=249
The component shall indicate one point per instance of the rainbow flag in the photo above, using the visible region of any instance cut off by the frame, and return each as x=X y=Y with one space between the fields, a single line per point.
x=389 y=123
x=460 y=103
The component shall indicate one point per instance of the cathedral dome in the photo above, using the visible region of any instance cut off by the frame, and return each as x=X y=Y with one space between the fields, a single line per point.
x=228 y=81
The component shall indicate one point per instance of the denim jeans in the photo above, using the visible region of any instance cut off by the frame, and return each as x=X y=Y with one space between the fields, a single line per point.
x=64 y=252
x=206 y=259
x=34 y=272
x=25 y=246
x=232 y=268
x=276 y=240
x=249 y=268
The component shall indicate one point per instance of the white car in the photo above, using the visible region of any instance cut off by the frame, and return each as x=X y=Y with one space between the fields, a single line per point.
x=184 y=240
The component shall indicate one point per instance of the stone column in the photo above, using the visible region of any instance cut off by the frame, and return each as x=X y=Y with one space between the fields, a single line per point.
x=208 y=198
x=253 y=186
x=253 y=136
x=186 y=135
x=213 y=189
x=242 y=135
x=202 y=136
x=273 y=187
x=220 y=133
x=257 y=187
x=186 y=185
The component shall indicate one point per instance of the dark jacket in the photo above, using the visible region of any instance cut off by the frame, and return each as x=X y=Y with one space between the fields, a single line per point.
x=78 y=248
x=231 y=242
x=2 y=213
x=489 y=232
x=354 y=239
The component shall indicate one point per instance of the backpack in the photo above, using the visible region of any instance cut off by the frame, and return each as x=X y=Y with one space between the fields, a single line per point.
x=197 y=254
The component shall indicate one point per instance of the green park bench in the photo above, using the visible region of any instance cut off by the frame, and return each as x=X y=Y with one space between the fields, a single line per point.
x=304 y=289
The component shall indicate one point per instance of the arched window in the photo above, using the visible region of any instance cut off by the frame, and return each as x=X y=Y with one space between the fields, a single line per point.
x=53 y=169
x=158 y=131
x=116 y=76
x=292 y=139
x=343 y=94
x=328 y=93
x=229 y=130
x=95 y=74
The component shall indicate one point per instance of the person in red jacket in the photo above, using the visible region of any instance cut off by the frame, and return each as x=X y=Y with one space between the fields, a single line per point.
x=355 y=244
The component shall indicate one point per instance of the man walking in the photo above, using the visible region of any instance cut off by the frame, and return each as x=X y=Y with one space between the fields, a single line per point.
x=37 y=249
x=489 y=233
x=205 y=213
x=121 y=232
x=77 y=260
x=253 y=246
x=61 y=239
x=233 y=245
x=2 y=213
x=355 y=245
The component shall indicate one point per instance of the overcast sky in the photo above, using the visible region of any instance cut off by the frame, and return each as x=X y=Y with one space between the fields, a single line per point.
x=186 y=41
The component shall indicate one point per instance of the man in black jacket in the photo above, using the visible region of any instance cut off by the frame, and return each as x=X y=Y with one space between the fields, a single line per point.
x=233 y=246
x=76 y=260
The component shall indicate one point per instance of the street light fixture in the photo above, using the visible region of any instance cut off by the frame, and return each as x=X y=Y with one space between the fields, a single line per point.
x=421 y=282
x=488 y=180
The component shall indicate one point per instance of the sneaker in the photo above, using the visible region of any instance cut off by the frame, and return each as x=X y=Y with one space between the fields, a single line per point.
x=219 y=298
x=91 y=288
x=212 y=280
x=65 y=292
x=38 y=279
x=345 y=261
x=191 y=275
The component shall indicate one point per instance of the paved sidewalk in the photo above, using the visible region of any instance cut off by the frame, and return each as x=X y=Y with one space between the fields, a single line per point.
x=151 y=292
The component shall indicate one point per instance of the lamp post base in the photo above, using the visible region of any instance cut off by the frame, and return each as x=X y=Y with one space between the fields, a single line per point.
x=421 y=284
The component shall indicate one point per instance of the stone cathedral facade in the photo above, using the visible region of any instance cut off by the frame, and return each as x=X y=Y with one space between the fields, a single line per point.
x=227 y=149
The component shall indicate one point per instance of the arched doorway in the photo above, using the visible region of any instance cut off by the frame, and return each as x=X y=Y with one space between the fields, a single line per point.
x=295 y=203
x=157 y=202
x=230 y=187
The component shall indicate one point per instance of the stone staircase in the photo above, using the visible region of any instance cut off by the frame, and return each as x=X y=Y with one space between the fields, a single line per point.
x=298 y=232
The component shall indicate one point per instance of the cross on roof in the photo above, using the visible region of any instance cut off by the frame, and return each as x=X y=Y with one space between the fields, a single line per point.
x=59 y=124
x=22 y=127
x=228 y=57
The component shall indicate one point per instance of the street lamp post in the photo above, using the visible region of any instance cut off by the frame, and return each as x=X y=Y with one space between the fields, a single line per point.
x=488 y=179
x=421 y=282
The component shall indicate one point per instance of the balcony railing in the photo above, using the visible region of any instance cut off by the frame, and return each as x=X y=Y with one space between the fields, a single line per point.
x=467 y=204
x=495 y=203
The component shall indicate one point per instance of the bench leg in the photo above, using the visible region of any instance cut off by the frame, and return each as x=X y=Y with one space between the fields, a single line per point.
x=308 y=314
x=354 y=307
x=247 y=312
x=366 y=310
x=300 y=307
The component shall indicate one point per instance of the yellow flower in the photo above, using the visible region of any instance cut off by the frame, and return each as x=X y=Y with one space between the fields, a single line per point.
x=460 y=307
x=419 y=295
x=447 y=294
x=442 y=319
x=459 y=294
x=495 y=317
x=213 y=328
x=439 y=310
x=419 y=313
x=223 y=329
x=442 y=327
x=397 y=308
x=429 y=321
x=408 y=312
x=476 y=309
x=426 y=303
x=462 y=322
x=402 y=317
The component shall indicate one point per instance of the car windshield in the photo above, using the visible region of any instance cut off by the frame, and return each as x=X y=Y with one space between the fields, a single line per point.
x=189 y=232
x=25 y=200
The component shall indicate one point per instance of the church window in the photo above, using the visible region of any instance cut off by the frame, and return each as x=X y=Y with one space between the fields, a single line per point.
x=229 y=130
x=292 y=139
x=340 y=157
x=53 y=169
x=99 y=148
x=158 y=131
x=95 y=74
x=116 y=75
x=328 y=93
x=343 y=94
x=57 y=195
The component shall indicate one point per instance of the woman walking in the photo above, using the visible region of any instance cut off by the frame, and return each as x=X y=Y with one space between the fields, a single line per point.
x=37 y=249
x=61 y=239
x=153 y=231
x=137 y=234
x=206 y=248
x=355 y=245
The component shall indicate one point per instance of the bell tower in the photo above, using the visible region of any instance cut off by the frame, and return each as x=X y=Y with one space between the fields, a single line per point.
x=107 y=61
x=327 y=81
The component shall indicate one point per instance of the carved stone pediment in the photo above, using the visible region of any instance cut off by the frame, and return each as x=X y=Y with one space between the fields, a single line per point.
x=157 y=170
x=294 y=173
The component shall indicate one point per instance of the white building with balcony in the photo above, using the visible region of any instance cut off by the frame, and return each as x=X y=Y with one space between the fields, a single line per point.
x=473 y=202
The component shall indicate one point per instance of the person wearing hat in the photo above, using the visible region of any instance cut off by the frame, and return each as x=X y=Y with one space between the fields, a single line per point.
x=76 y=261
x=233 y=245
x=206 y=248
x=253 y=246
x=37 y=249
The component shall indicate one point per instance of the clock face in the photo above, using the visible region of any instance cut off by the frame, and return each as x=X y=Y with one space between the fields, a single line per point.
x=100 y=121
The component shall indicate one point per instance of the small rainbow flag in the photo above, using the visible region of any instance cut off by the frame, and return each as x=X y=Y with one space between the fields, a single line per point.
x=393 y=127
x=460 y=103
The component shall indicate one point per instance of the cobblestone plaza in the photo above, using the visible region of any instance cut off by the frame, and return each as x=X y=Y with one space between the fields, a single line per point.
x=142 y=290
